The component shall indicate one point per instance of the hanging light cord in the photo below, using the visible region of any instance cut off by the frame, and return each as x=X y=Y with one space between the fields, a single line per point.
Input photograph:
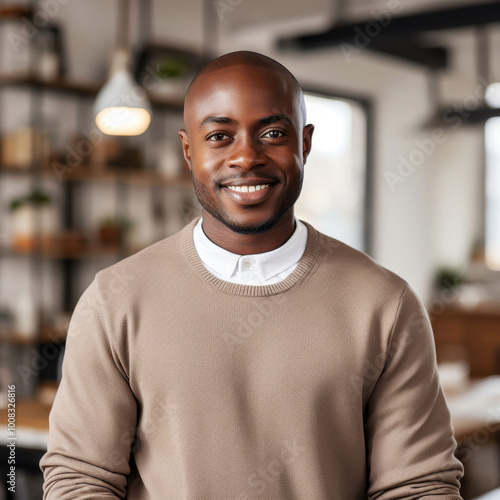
x=124 y=24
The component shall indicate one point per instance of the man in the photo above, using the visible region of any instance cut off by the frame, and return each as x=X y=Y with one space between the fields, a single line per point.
x=249 y=356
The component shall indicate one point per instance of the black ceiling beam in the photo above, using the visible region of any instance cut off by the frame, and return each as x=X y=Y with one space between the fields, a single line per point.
x=397 y=27
x=456 y=115
x=432 y=57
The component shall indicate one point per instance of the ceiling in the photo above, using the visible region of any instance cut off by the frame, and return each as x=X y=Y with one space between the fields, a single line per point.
x=396 y=31
x=337 y=21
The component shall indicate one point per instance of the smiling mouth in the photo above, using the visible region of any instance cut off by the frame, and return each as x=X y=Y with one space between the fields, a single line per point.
x=249 y=194
x=247 y=189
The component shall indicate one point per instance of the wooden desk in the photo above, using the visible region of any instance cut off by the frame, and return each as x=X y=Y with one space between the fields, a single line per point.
x=476 y=331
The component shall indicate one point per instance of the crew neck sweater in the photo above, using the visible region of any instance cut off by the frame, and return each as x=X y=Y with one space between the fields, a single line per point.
x=255 y=269
x=180 y=386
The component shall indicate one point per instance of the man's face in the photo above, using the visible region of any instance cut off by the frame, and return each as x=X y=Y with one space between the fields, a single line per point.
x=246 y=146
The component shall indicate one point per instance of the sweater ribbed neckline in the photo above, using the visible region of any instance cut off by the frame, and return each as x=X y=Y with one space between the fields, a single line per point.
x=303 y=267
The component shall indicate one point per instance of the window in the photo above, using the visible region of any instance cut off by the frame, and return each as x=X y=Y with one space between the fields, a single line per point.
x=334 y=196
x=492 y=190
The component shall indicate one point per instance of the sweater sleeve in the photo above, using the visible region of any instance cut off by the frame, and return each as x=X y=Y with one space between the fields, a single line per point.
x=408 y=432
x=93 y=419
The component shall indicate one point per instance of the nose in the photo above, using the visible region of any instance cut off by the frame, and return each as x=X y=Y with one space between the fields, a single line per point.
x=246 y=154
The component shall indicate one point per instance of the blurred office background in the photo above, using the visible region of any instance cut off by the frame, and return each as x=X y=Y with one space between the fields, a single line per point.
x=405 y=166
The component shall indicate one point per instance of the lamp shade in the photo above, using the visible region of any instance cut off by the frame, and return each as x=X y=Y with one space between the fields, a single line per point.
x=122 y=106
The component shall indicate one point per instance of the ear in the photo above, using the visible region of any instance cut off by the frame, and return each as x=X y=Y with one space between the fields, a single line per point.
x=307 y=141
x=185 y=147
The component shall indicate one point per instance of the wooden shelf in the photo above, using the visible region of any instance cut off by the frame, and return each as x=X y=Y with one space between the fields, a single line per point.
x=82 y=89
x=86 y=252
x=85 y=174
x=44 y=336
x=89 y=173
x=60 y=84
x=51 y=335
x=10 y=170
x=12 y=337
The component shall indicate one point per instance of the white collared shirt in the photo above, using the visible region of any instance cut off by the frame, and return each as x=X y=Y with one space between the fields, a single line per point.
x=259 y=269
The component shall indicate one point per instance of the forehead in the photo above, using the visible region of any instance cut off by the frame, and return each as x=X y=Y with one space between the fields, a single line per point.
x=240 y=90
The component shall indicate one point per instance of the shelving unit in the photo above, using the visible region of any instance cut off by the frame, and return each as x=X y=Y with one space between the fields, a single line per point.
x=122 y=180
x=53 y=275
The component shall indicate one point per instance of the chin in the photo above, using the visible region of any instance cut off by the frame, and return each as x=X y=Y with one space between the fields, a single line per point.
x=250 y=227
x=260 y=228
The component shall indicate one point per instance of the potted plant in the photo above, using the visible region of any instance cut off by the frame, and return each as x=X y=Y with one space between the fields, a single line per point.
x=33 y=219
x=171 y=72
x=449 y=278
x=113 y=230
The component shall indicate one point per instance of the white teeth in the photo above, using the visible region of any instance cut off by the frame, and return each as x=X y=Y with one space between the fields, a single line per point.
x=248 y=189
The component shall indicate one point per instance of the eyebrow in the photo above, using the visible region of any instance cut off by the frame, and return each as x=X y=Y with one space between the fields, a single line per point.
x=267 y=120
x=215 y=119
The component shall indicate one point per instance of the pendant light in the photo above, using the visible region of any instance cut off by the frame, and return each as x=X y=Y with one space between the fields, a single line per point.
x=122 y=106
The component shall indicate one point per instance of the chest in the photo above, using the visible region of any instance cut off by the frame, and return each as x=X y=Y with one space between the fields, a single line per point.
x=266 y=349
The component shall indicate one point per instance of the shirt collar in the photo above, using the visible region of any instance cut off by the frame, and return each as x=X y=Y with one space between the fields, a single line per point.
x=270 y=263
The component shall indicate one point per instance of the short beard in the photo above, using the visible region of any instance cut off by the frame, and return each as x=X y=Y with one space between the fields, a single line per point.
x=280 y=211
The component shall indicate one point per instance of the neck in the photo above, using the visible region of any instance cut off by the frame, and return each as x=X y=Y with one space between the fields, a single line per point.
x=247 y=244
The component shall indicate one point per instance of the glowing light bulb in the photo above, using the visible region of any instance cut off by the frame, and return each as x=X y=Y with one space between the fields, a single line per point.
x=122 y=106
x=123 y=121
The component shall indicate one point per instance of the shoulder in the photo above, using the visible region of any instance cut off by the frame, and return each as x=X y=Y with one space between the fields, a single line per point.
x=356 y=273
x=146 y=266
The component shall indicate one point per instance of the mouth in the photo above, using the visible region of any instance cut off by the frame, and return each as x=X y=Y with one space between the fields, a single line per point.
x=250 y=193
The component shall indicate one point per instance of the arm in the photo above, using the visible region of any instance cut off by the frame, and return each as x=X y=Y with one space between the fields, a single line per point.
x=408 y=432
x=92 y=422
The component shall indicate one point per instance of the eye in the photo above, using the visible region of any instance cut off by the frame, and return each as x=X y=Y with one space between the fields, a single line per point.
x=218 y=136
x=274 y=134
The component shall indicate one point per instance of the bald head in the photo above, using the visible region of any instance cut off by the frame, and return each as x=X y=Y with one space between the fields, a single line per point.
x=248 y=60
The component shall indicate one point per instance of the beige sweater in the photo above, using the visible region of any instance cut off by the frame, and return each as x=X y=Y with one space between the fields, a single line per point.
x=180 y=386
